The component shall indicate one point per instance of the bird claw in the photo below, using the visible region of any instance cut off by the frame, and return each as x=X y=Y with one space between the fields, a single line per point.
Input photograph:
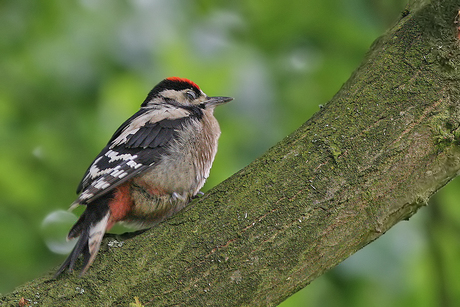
x=198 y=195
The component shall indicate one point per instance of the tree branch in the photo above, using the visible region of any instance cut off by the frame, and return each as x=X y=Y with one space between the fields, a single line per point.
x=370 y=158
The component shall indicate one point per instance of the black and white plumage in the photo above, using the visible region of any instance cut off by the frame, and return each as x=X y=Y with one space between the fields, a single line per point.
x=151 y=167
x=135 y=146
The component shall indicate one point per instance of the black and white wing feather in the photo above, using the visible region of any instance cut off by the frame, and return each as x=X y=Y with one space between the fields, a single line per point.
x=136 y=146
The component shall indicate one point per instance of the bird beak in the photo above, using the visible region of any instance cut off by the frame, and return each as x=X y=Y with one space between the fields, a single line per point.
x=215 y=101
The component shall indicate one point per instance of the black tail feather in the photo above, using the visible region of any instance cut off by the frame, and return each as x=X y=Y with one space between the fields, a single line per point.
x=94 y=214
x=80 y=248
x=78 y=227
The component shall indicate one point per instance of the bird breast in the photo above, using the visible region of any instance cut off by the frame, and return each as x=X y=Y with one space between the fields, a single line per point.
x=186 y=165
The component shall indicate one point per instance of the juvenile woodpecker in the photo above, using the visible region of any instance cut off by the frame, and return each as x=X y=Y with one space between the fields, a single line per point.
x=150 y=169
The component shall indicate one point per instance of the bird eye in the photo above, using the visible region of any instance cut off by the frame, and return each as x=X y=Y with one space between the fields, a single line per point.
x=191 y=95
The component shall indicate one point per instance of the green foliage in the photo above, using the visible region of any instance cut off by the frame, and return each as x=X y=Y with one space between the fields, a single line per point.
x=72 y=72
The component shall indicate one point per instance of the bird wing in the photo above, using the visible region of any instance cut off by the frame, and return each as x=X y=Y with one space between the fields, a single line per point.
x=137 y=145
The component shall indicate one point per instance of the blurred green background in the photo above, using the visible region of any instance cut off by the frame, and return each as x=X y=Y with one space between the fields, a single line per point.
x=72 y=71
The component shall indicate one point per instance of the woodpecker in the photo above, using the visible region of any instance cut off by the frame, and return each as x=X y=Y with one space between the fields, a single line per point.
x=153 y=165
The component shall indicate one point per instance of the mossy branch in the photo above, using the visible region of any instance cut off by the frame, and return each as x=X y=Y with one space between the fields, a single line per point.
x=370 y=158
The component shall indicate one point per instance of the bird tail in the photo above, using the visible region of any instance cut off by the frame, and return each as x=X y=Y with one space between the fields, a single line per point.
x=90 y=229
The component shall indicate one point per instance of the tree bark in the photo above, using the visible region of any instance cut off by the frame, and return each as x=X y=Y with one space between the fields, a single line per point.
x=368 y=159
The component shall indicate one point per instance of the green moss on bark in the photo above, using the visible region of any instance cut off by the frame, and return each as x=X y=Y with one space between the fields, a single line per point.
x=369 y=158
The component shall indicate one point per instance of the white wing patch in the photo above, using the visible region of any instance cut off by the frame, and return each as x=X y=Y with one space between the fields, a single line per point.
x=101 y=179
x=95 y=172
x=113 y=155
x=153 y=116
